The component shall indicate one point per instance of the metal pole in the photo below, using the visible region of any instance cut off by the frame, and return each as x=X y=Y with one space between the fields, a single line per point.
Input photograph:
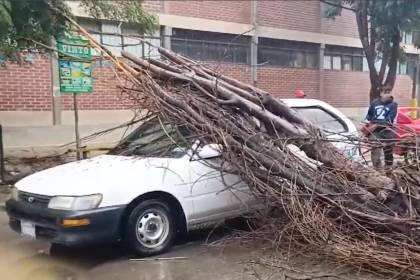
x=414 y=100
x=2 y=179
x=55 y=87
x=76 y=127
x=254 y=43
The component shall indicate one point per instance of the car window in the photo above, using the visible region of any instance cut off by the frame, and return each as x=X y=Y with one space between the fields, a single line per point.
x=154 y=139
x=323 y=119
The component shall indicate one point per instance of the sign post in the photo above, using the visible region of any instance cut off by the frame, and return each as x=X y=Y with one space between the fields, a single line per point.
x=75 y=69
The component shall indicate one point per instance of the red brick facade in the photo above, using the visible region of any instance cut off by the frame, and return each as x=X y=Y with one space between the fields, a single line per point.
x=105 y=96
x=344 y=25
x=295 y=15
x=233 y=11
x=238 y=71
x=154 y=6
x=351 y=89
x=283 y=82
x=26 y=87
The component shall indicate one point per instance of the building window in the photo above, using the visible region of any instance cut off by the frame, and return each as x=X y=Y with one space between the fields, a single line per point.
x=406 y=67
x=407 y=37
x=402 y=68
x=327 y=62
x=343 y=58
x=347 y=63
x=287 y=53
x=118 y=36
x=357 y=63
x=211 y=46
x=416 y=37
x=336 y=62
x=411 y=68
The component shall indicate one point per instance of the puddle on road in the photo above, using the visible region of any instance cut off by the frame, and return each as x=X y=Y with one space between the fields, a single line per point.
x=37 y=267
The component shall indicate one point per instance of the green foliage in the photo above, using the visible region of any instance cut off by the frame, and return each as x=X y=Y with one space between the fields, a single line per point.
x=24 y=22
x=127 y=11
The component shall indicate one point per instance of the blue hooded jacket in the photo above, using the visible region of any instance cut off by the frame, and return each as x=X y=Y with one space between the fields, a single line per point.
x=382 y=112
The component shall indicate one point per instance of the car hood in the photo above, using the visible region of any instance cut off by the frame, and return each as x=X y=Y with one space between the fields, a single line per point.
x=97 y=175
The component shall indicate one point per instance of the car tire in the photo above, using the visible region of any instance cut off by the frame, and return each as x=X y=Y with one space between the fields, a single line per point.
x=150 y=229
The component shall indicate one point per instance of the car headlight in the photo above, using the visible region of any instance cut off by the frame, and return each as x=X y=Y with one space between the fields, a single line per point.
x=76 y=203
x=14 y=194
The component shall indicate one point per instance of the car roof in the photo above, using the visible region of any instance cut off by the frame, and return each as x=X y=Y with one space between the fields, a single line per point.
x=303 y=102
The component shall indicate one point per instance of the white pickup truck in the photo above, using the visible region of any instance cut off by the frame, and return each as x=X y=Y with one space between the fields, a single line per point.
x=140 y=199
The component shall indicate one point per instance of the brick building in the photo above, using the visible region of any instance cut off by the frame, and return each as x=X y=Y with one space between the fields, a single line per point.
x=280 y=46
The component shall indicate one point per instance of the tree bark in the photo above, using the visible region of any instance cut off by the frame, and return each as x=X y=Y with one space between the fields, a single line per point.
x=393 y=60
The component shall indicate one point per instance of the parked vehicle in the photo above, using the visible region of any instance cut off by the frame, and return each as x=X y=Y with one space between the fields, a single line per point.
x=146 y=190
x=406 y=127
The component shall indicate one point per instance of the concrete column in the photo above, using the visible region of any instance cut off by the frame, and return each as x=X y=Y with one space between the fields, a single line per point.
x=321 y=53
x=254 y=43
x=321 y=71
x=166 y=36
x=166 y=30
x=321 y=17
x=55 y=89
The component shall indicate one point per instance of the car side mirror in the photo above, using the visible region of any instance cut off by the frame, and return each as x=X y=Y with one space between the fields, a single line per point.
x=210 y=151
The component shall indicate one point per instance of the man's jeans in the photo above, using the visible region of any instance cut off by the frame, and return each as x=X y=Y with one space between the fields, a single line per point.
x=386 y=137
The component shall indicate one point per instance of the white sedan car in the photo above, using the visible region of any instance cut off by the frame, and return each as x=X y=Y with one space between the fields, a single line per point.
x=143 y=201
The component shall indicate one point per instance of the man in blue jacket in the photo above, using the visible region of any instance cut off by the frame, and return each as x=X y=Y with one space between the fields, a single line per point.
x=381 y=116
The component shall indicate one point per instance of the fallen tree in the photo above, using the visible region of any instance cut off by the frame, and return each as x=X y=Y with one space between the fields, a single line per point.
x=341 y=207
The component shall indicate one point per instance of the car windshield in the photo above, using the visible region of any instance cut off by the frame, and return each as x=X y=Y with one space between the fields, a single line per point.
x=154 y=139
x=323 y=119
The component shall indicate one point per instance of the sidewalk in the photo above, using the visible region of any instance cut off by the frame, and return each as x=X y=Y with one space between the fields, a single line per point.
x=41 y=141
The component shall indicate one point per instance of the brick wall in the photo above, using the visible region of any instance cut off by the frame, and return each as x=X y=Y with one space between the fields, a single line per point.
x=240 y=72
x=344 y=25
x=154 y=6
x=283 y=82
x=26 y=87
x=351 y=89
x=105 y=96
x=233 y=11
x=297 y=15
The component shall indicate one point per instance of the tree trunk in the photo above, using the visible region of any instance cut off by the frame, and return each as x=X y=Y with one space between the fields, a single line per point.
x=393 y=60
x=374 y=92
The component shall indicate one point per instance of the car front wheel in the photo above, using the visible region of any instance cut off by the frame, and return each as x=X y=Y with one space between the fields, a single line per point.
x=150 y=228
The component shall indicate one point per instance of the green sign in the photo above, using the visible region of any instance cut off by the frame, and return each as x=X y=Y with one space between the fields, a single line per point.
x=75 y=76
x=74 y=46
x=74 y=64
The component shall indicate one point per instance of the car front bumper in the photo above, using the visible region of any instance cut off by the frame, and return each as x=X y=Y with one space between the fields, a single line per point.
x=104 y=223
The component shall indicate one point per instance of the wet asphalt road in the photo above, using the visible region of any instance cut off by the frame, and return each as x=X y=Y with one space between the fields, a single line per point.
x=26 y=259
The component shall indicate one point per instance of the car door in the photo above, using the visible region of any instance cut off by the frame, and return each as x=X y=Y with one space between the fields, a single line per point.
x=214 y=193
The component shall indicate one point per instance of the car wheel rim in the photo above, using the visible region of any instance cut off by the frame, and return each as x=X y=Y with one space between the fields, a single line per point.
x=152 y=229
